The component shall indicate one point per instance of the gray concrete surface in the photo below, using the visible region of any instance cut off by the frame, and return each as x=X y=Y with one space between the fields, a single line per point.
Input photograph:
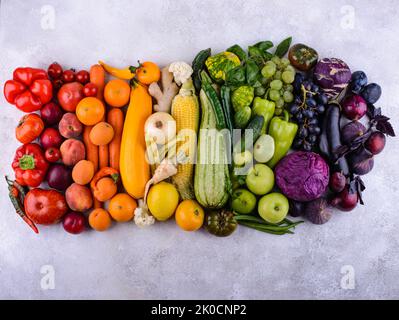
x=163 y=262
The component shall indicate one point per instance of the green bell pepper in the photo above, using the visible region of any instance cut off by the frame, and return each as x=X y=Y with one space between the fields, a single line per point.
x=265 y=108
x=283 y=133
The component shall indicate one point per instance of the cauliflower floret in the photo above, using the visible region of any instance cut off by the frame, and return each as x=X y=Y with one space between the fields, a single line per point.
x=181 y=71
x=142 y=218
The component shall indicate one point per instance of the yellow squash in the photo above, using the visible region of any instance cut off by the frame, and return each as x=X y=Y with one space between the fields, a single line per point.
x=134 y=167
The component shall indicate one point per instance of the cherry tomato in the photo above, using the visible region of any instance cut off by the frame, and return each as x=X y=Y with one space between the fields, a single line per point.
x=83 y=77
x=29 y=128
x=90 y=90
x=68 y=76
x=52 y=154
x=55 y=70
x=57 y=84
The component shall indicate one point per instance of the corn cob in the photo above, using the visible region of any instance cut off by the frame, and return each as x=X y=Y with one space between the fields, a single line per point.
x=185 y=110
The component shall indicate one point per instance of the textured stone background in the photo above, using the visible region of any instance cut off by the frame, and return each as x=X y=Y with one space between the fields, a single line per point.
x=163 y=262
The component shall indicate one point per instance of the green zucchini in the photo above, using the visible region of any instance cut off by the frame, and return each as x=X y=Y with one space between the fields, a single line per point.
x=225 y=93
x=256 y=125
x=212 y=185
x=214 y=100
x=242 y=117
x=199 y=64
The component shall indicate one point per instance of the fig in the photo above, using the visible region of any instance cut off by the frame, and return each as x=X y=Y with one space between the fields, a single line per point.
x=361 y=161
x=351 y=131
x=317 y=211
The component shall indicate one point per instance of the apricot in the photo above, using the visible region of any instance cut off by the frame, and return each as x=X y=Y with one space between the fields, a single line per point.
x=78 y=197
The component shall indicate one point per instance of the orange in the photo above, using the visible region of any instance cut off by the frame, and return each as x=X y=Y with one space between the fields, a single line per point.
x=90 y=111
x=106 y=189
x=121 y=207
x=83 y=172
x=117 y=93
x=189 y=215
x=99 y=219
x=101 y=134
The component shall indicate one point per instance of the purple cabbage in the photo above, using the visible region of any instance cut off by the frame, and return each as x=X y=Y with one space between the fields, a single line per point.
x=333 y=75
x=302 y=176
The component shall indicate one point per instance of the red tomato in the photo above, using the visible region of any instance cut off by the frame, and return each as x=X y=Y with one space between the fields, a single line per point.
x=90 y=90
x=52 y=154
x=45 y=206
x=83 y=77
x=29 y=128
x=55 y=70
x=50 y=138
x=68 y=76
x=69 y=96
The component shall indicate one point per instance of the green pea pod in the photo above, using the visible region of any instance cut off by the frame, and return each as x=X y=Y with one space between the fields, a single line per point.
x=283 y=133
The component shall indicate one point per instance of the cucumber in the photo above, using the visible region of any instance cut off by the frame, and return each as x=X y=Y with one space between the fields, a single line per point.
x=256 y=125
x=242 y=117
x=198 y=64
x=212 y=184
x=214 y=100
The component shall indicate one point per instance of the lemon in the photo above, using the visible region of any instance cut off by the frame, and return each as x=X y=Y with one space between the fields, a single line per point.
x=162 y=200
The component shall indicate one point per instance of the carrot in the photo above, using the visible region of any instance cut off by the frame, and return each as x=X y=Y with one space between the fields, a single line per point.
x=97 y=76
x=91 y=149
x=115 y=119
x=103 y=156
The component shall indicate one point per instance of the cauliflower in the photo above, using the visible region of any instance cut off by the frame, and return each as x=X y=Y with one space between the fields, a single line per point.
x=181 y=71
x=142 y=217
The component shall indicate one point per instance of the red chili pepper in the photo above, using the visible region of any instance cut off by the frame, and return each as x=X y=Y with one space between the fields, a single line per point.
x=29 y=89
x=17 y=194
x=30 y=165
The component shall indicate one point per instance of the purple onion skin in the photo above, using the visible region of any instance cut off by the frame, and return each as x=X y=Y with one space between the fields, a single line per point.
x=361 y=161
x=59 y=177
x=351 y=131
x=333 y=75
x=302 y=176
x=345 y=201
x=354 y=107
x=317 y=211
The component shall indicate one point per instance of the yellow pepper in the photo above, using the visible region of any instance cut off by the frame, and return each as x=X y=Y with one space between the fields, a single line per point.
x=127 y=73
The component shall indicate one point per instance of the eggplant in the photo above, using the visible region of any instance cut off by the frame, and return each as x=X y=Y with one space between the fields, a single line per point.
x=333 y=138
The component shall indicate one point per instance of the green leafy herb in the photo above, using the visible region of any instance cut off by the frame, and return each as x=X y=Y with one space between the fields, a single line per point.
x=236 y=76
x=283 y=47
x=253 y=73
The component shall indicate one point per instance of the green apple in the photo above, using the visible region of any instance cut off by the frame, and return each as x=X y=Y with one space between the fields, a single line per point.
x=243 y=201
x=264 y=148
x=260 y=179
x=273 y=207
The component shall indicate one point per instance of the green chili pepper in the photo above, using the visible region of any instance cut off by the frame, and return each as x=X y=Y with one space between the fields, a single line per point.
x=265 y=108
x=283 y=133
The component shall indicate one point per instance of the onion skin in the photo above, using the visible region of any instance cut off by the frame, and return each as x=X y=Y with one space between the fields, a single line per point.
x=354 y=107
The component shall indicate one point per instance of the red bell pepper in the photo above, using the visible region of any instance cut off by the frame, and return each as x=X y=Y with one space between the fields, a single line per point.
x=30 y=165
x=29 y=89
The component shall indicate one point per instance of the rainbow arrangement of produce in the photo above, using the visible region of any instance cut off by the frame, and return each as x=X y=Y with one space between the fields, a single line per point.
x=239 y=137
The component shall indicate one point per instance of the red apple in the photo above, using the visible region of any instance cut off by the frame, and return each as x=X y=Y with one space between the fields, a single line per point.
x=69 y=96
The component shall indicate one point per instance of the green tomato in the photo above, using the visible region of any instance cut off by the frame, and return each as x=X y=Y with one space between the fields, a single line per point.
x=220 y=223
